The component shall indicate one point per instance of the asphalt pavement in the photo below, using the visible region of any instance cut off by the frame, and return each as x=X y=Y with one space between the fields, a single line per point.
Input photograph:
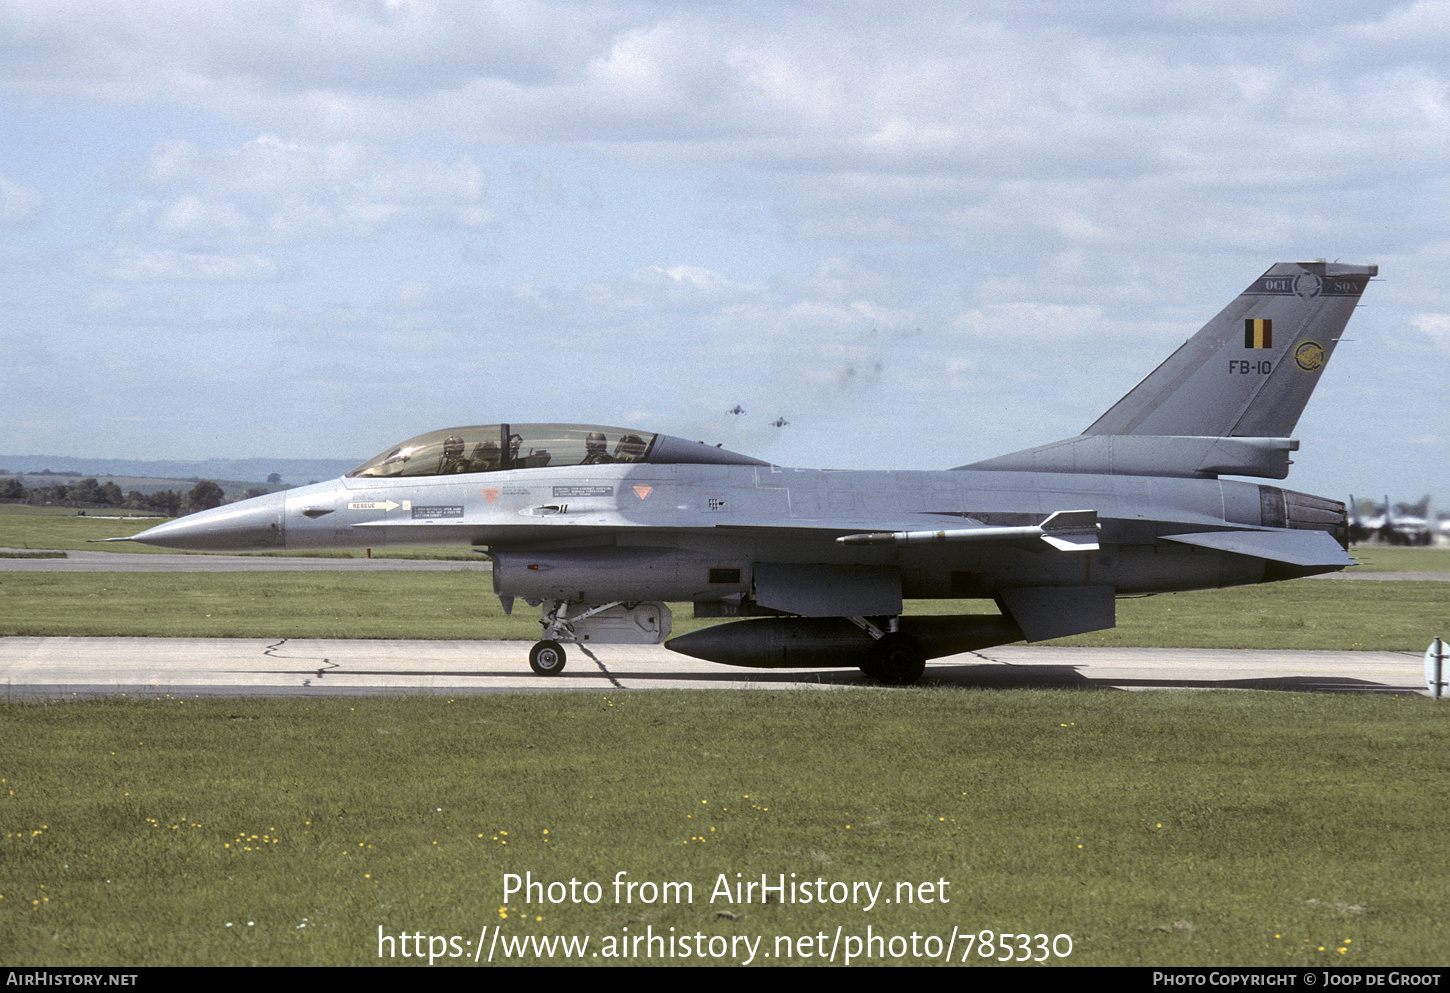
x=64 y=668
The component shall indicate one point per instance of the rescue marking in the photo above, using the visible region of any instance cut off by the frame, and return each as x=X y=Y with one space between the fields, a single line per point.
x=384 y=505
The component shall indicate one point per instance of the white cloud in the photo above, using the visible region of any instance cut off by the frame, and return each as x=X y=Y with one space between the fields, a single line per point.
x=996 y=125
x=18 y=203
x=135 y=264
x=107 y=301
x=272 y=189
x=25 y=351
x=682 y=283
x=1003 y=176
x=1033 y=321
x=1436 y=327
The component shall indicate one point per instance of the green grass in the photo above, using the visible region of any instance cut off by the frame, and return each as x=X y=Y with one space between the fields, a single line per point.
x=447 y=605
x=1305 y=614
x=31 y=510
x=1381 y=558
x=1154 y=828
x=59 y=529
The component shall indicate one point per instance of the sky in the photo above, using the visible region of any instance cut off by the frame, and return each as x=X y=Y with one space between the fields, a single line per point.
x=921 y=233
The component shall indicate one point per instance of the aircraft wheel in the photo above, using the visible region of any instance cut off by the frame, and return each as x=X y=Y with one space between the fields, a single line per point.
x=547 y=658
x=896 y=659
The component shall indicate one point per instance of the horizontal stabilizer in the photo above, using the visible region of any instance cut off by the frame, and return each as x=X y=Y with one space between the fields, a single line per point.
x=1311 y=549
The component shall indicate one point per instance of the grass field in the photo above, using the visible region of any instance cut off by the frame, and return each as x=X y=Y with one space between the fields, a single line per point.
x=58 y=528
x=1308 y=614
x=1382 y=558
x=1153 y=828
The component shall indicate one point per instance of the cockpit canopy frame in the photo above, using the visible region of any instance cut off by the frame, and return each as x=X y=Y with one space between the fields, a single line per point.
x=501 y=447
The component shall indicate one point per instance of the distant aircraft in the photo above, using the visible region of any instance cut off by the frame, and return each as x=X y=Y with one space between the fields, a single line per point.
x=600 y=526
x=779 y=422
x=1392 y=526
x=1404 y=527
x=1366 y=527
x=737 y=409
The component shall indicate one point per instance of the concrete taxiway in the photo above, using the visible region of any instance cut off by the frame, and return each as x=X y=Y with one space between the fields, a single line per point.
x=64 y=668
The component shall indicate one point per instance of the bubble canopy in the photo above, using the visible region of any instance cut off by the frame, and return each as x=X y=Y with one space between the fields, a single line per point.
x=500 y=447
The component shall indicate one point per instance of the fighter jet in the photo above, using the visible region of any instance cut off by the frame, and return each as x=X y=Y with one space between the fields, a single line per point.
x=1404 y=525
x=600 y=527
x=1393 y=524
x=1366 y=527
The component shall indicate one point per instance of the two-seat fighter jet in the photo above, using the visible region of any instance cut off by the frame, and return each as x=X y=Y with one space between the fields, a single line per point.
x=601 y=526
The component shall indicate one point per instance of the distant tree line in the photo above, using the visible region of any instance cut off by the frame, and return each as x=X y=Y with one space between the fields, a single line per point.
x=89 y=492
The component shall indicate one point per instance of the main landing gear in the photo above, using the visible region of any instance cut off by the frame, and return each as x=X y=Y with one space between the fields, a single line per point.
x=896 y=658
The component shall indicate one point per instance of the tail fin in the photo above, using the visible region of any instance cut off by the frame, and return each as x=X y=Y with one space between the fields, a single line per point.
x=1249 y=372
x=1228 y=399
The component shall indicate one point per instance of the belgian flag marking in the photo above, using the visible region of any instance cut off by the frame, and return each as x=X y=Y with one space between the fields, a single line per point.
x=1258 y=332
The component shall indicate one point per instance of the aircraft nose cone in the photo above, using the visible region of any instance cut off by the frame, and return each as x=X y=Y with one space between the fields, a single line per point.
x=248 y=525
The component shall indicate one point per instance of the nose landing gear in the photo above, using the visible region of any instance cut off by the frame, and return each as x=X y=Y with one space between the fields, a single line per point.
x=547 y=658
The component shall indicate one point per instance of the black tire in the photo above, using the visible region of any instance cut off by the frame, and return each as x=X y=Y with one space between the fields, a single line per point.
x=896 y=659
x=547 y=658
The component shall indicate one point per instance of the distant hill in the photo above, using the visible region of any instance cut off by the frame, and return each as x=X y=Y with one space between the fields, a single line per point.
x=294 y=472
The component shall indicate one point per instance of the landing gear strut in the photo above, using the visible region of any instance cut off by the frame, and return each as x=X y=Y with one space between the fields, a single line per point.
x=547 y=658
x=617 y=622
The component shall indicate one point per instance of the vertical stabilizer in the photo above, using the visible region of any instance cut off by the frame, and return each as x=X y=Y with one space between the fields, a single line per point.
x=1249 y=372
x=1227 y=401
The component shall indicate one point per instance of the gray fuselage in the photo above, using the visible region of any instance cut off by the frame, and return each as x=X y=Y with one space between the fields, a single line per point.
x=690 y=524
